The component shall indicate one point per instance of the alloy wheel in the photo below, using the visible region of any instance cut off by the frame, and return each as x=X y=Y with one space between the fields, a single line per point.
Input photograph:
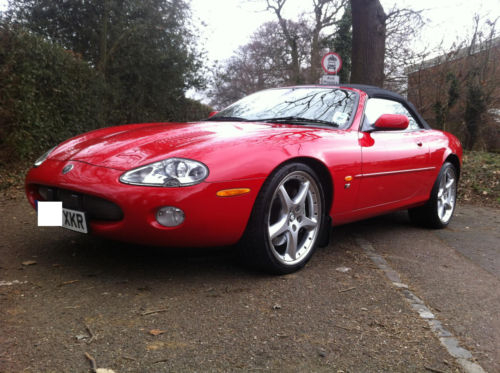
x=294 y=217
x=446 y=195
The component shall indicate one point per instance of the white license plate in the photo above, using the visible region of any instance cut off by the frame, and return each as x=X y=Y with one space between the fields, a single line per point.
x=75 y=220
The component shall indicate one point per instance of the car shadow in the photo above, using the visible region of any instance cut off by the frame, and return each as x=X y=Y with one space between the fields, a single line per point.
x=91 y=256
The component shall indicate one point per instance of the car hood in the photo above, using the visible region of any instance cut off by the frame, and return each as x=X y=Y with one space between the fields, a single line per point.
x=130 y=146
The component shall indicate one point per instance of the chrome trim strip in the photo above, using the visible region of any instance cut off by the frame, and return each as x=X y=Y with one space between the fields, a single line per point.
x=396 y=172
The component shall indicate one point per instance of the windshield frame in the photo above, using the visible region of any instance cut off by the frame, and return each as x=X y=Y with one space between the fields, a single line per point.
x=346 y=126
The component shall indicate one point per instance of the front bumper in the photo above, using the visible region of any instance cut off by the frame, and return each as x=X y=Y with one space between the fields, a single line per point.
x=209 y=220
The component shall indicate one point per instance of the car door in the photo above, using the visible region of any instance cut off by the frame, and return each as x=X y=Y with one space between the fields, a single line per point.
x=395 y=164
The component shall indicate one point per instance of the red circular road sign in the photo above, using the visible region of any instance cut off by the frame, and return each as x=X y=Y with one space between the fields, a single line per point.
x=331 y=63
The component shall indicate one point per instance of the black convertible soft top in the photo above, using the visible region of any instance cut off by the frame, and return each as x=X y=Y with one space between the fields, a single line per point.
x=376 y=92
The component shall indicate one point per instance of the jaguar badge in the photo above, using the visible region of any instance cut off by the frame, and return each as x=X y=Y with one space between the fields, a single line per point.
x=67 y=169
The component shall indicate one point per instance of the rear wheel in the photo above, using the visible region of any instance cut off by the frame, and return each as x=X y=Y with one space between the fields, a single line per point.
x=438 y=211
x=286 y=221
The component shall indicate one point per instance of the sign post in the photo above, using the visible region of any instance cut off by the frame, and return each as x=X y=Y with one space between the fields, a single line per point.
x=331 y=63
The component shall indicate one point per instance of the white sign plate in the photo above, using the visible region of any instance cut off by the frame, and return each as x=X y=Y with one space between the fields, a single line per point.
x=329 y=80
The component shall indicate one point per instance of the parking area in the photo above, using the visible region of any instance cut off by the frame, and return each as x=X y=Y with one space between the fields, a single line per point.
x=135 y=308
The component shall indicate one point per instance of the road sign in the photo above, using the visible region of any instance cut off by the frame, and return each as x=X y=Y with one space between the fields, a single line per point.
x=329 y=80
x=331 y=63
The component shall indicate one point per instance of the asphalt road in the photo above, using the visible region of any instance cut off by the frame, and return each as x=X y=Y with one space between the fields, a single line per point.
x=139 y=309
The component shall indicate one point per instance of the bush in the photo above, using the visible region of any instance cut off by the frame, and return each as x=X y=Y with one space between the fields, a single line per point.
x=47 y=94
x=479 y=180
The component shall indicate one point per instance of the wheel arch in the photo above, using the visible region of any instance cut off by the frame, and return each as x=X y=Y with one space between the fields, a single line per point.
x=454 y=160
x=324 y=175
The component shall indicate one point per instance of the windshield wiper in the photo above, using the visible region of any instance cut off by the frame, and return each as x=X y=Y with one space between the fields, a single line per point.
x=296 y=119
x=227 y=119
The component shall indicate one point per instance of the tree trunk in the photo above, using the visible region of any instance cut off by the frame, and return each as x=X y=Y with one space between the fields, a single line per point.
x=294 y=51
x=296 y=76
x=315 y=58
x=368 y=42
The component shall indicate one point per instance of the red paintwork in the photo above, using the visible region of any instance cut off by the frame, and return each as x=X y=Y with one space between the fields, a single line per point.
x=392 y=122
x=241 y=155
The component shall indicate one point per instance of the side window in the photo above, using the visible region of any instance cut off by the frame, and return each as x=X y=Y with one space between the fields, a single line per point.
x=375 y=107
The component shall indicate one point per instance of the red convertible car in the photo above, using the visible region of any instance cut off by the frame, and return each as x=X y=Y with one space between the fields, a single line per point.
x=272 y=172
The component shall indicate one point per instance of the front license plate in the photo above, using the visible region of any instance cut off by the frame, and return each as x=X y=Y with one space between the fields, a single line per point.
x=75 y=220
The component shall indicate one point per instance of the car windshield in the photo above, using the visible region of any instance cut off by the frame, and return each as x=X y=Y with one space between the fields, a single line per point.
x=332 y=107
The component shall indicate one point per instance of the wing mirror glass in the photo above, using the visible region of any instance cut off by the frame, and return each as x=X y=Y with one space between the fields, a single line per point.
x=392 y=122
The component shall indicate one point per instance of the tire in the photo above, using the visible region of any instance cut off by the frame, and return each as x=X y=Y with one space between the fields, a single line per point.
x=438 y=210
x=286 y=221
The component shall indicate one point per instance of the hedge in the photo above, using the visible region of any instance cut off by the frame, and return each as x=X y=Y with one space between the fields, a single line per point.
x=48 y=94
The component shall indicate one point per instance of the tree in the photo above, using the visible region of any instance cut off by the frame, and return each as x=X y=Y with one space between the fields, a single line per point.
x=325 y=15
x=402 y=25
x=47 y=94
x=368 y=42
x=266 y=61
x=290 y=36
x=341 y=43
x=145 y=50
x=445 y=103
x=457 y=91
x=481 y=83
x=294 y=49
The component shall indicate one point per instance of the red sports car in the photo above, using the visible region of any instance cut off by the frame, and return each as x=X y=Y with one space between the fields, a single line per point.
x=272 y=172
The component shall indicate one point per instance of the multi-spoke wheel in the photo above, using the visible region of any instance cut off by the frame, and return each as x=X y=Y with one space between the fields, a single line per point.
x=437 y=212
x=446 y=196
x=286 y=221
x=294 y=217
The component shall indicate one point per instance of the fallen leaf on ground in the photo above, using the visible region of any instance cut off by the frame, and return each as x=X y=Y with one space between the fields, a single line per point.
x=156 y=332
x=343 y=269
x=29 y=262
x=150 y=312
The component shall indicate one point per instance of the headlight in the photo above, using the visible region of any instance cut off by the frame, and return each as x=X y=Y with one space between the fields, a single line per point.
x=172 y=172
x=42 y=159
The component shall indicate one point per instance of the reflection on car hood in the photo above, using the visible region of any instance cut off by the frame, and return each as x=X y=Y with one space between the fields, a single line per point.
x=129 y=146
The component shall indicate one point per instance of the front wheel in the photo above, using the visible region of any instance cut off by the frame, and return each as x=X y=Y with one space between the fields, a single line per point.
x=286 y=221
x=438 y=211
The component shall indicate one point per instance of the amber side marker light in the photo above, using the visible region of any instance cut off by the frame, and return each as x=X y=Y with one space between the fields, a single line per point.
x=232 y=192
x=348 y=178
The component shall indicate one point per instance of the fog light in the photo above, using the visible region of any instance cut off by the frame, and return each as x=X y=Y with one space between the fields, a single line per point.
x=169 y=216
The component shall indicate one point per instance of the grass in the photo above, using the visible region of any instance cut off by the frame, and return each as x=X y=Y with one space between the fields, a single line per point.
x=479 y=181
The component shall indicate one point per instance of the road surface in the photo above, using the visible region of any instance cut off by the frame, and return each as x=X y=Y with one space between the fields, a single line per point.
x=135 y=308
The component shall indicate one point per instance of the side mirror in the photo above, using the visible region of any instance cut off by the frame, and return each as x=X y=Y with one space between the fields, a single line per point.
x=392 y=122
x=212 y=113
